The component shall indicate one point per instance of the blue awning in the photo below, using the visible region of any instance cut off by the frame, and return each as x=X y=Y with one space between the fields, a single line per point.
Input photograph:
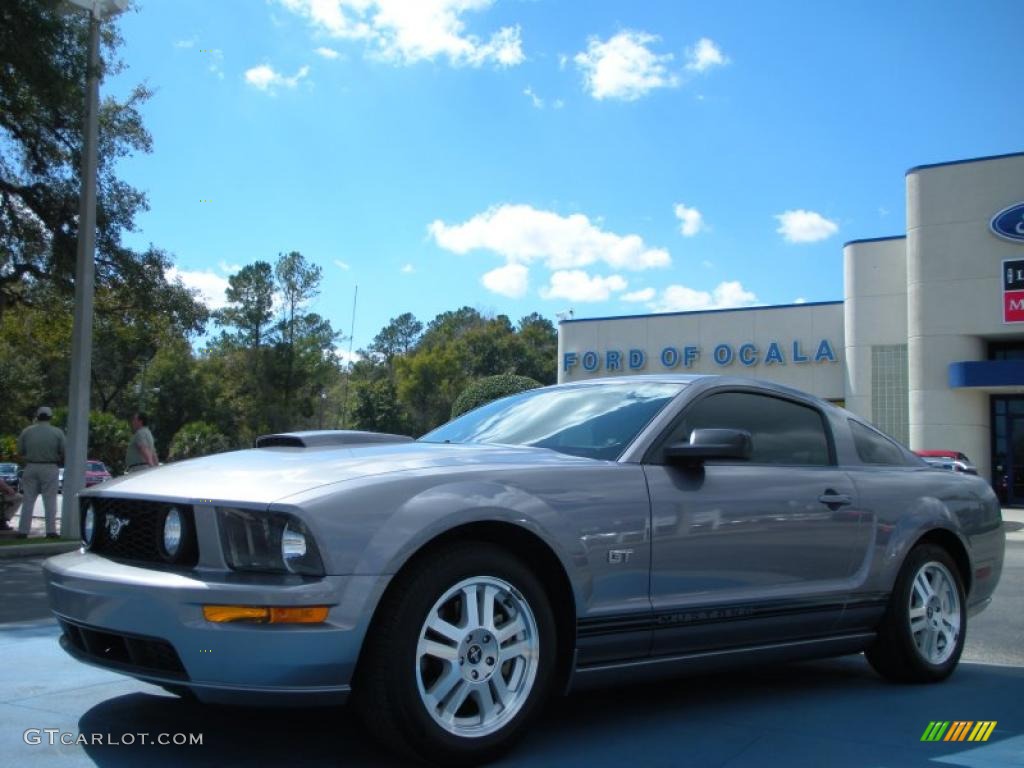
x=986 y=373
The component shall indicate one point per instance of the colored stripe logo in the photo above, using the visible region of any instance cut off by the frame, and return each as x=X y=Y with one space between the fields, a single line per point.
x=958 y=730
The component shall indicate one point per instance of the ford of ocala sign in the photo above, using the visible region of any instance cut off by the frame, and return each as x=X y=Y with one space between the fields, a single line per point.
x=1009 y=223
x=669 y=358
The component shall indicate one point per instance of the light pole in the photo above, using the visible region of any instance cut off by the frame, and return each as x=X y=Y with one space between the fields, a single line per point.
x=85 y=272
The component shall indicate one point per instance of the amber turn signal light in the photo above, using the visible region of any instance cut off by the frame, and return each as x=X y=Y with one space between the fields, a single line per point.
x=310 y=614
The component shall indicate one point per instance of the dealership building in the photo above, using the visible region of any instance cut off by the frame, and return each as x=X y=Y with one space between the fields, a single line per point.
x=927 y=343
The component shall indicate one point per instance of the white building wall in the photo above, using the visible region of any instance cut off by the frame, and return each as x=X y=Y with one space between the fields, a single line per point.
x=954 y=290
x=875 y=311
x=806 y=325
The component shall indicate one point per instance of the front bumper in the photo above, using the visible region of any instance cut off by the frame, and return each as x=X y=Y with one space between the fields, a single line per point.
x=137 y=620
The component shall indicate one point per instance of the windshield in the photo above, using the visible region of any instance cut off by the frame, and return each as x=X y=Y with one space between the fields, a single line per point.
x=596 y=421
x=8 y=469
x=96 y=466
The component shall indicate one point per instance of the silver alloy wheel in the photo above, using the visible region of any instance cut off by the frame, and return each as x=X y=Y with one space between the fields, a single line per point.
x=934 y=616
x=477 y=656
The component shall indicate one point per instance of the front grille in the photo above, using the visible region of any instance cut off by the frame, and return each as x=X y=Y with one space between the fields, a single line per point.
x=132 y=530
x=130 y=653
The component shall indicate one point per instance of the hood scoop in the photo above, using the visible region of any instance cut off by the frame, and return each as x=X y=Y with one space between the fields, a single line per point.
x=327 y=437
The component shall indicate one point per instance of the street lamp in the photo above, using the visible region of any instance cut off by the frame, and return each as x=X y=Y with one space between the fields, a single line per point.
x=85 y=273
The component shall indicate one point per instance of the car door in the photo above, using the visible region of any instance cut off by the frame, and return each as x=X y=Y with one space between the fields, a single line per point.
x=756 y=551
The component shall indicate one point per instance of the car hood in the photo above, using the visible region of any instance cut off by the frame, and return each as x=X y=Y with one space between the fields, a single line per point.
x=268 y=474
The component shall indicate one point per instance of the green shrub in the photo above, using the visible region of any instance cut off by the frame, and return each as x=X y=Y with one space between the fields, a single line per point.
x=197 y=438
x=8 y=448
x=483 y=391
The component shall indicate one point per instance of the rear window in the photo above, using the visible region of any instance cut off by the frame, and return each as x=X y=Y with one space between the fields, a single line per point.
x=97 y=466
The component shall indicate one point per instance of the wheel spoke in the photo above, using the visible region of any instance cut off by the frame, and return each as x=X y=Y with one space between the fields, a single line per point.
x=522 y=648
x=934 y=652
x=922 y=587
x=443 y=687
x=445 y=629
x=470 y=607
x=486 y=702
x=500 y=689
x=490 y=596
x=456 y=700
x=923 y=640
x=918 y=620
x=510 y=630
x=437 y=650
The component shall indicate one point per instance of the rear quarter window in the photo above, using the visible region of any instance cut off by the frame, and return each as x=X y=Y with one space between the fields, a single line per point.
x=875 y=448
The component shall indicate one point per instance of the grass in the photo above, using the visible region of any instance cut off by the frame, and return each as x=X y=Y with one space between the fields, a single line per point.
x=32 y=541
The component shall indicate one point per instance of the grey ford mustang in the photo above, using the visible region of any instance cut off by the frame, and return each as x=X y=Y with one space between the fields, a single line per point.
x=562 y=537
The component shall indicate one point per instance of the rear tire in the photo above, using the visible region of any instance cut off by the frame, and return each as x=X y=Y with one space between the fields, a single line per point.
x=460 y=657
x=922 y=633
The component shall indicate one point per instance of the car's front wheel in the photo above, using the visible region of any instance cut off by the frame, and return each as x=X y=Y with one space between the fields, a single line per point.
x=461 y=656
x=922 y=634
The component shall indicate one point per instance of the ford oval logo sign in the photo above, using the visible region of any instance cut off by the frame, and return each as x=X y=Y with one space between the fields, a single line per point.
x=1009 y=223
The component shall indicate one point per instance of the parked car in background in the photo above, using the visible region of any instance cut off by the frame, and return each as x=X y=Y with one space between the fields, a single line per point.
x=564 y=537
x=96 y=472
x=10 y=474
x=954 y=460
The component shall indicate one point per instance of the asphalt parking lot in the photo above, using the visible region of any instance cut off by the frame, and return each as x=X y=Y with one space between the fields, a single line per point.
x=835 y=712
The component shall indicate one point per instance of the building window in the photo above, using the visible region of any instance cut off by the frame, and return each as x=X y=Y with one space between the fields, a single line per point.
x=890 y=390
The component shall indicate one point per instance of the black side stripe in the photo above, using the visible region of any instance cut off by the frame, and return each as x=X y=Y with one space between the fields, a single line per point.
x=607 y=625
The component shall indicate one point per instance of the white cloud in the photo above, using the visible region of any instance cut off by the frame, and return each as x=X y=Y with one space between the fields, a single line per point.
x=523 y=234
x=645 y=294
x=691 y=220
x=680 y=298
x=623 y=67
x=266 y=79
x=705 y=55
x=510 y=280
x=408 y=269
x=557 y=104
x=800 y=300
x=228 y=269
x=536 y=100
x=707 y=264
x=577 y=285
x=186 y=43
x=345 y=357
x=406 y=32
x=327 y=53
x=210 y=285
x=344 y=266
x=801 y=226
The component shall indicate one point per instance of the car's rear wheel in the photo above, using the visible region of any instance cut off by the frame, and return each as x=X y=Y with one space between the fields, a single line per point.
x=922 y=634
x=460 y=657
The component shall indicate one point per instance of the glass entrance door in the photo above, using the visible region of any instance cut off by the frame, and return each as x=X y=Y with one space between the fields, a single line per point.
x=1008 y=449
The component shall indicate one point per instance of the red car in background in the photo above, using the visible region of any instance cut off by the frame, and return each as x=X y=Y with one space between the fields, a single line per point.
x=954 y=460
x=95 y=473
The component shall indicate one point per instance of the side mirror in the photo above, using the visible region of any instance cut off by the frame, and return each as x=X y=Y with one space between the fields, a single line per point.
x=710 y=444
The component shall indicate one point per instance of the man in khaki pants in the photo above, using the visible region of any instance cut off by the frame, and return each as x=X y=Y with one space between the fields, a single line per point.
x=41 y=447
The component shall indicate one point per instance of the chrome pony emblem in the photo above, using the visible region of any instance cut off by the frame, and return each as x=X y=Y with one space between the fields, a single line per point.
x=115 y=525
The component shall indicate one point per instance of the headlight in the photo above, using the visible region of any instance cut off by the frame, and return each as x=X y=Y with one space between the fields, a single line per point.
x=172 y=533
x=272 y=542
x=89 y=525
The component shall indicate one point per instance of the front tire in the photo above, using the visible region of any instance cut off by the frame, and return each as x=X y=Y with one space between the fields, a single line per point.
x=460 y=658
x=923 y=631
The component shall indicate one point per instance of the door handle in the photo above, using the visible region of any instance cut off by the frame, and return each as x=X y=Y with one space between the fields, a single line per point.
x=834 y=500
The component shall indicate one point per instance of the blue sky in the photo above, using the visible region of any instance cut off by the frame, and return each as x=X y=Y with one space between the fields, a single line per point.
x=532 y=155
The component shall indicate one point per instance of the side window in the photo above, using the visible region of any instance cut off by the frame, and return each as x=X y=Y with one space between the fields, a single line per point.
x=782 y=432
x=874 y=447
